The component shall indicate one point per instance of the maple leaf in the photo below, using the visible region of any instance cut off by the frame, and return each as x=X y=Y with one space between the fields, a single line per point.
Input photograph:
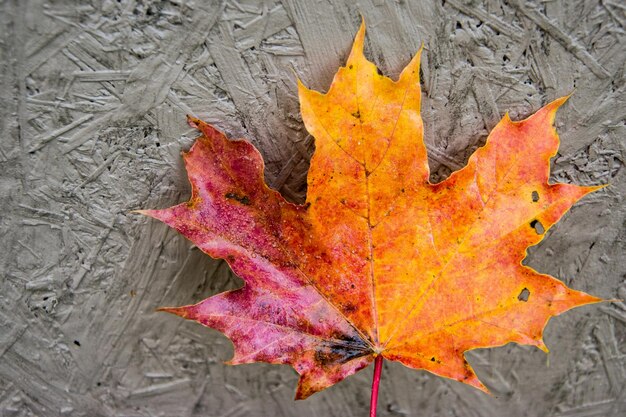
x=379 y=262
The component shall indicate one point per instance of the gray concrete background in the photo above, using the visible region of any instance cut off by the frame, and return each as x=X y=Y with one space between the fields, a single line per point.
x=94 y=95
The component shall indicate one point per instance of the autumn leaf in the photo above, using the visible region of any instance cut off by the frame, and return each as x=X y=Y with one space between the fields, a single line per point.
x=379 y=262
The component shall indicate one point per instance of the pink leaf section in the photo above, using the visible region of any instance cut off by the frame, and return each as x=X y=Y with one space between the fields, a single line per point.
x=278 y=316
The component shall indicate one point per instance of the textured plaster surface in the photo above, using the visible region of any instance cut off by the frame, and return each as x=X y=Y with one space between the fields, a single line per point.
x=92 y=105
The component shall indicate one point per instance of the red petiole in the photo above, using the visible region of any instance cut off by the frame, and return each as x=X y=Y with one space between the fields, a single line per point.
x=378 y=369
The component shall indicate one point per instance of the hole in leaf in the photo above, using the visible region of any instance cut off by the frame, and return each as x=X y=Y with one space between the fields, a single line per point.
x=77 y=343
x=536 y=224
x=523 y=296
x=535 y=196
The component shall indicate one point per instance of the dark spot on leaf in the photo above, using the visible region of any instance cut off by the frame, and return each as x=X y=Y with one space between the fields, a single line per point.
x=263 y=357
x=243 y=199
x=305 y=324
x=349 y=339
x=535 y=196
x=536 y=224
x=350 y=66
x=357 y=114
x=341 y=350
x=349 y=308
x=432 y=359
x=324 y=356
x=523 y=295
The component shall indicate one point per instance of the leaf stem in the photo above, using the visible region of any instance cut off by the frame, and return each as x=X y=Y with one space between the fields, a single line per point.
x=378 y=370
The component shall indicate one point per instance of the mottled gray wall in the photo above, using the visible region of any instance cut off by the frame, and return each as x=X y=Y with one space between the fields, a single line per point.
x=93 y=99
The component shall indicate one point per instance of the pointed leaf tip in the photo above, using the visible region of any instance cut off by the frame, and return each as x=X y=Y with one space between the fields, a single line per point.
x=185 y=312
x=193 y=121
x=412 y=70
x=159 y=214
x=148 y=213
x=357 y=47
x=476 y=383
x=552 y=107
x=542 y=346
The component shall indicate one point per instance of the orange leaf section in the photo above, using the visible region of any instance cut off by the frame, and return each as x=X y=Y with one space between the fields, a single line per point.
x=378 y=261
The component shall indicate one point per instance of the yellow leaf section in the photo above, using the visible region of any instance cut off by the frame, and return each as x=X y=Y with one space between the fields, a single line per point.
x=484 y=217
x=368 y=136
x=430 y=270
